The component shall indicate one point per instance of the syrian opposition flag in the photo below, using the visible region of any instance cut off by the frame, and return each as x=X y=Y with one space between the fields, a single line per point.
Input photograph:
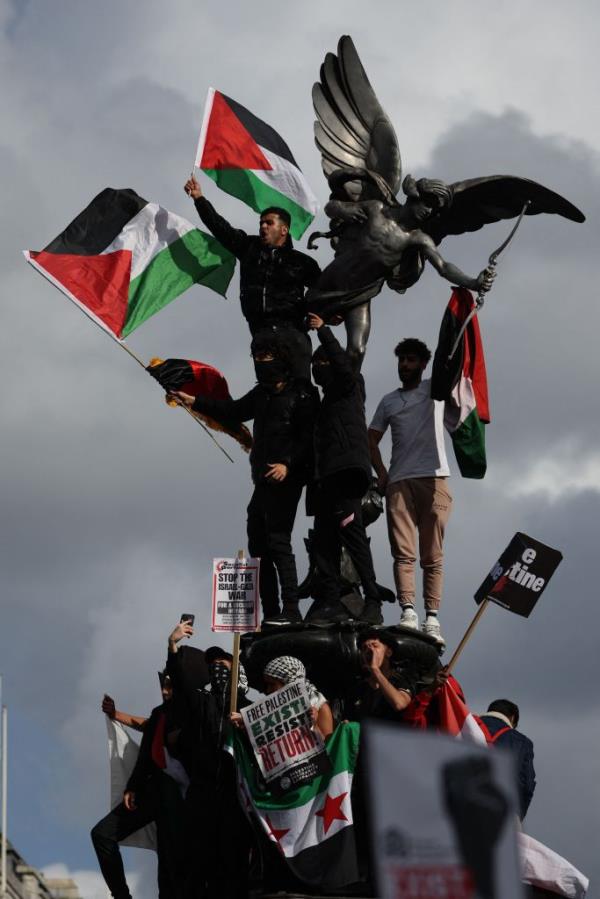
x=311 y=826
x=462 y=383
x=250 y=160
x=123 y=259
x=455 y=718
x=199 y=379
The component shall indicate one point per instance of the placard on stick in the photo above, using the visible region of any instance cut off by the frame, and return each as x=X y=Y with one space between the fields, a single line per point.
x=235 y=597
x=520 y=575
x=289 y=752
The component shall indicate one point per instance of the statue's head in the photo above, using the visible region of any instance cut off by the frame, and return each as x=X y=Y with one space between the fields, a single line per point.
x=426 y=196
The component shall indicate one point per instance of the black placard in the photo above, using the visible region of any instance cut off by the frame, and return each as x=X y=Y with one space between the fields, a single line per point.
x=520 y=575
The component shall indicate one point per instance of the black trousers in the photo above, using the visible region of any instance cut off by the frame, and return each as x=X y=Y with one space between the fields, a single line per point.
x=159 y=801
x=338 y=522
x=271 y=516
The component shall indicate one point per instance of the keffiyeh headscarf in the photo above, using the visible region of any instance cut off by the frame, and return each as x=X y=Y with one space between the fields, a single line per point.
x=288 y=669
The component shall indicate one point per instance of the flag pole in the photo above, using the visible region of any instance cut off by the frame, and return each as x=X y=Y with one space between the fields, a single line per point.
x=467 y=635
x=235 y=665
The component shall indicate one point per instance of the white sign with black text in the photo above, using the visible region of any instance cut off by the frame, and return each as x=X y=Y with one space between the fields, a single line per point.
x=235 y=597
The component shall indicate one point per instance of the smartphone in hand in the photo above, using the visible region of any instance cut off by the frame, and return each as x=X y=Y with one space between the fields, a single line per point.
x=187 y=618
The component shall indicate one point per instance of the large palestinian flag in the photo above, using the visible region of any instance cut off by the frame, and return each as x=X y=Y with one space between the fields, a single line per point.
x=462 y=383
x=310 y=826
x=250 y=160
x=123 y=259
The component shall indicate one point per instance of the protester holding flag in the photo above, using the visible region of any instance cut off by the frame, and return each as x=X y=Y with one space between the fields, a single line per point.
x=281 y=461
x=416 y=491
x=152 y=794
x=273 y=275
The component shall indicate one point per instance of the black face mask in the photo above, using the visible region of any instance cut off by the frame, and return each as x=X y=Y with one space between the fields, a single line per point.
x=270 y=373
x=322 y=375
x=220 y=676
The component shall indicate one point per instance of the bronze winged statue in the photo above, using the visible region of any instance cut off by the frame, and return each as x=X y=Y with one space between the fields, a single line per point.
x=376 y=238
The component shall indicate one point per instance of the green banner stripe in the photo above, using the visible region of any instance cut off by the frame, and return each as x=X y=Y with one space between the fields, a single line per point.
x=469 y=446
x=342 y=749
x=195 y=258
x=243 y=184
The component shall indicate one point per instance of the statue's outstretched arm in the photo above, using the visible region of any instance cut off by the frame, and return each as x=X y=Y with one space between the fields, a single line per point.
x=446 y=269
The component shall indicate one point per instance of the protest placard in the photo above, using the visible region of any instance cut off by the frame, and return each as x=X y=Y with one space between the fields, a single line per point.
x=520 y=575
x=289 y=752
x=235 y=601
x=442 y=828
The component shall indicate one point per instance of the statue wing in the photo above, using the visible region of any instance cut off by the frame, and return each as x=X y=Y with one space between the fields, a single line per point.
x=480 y=201
x=352 y=130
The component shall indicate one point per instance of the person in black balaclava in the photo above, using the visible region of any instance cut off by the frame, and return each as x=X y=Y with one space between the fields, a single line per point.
x=343 y=474
x=281 y=461
x=219 y=835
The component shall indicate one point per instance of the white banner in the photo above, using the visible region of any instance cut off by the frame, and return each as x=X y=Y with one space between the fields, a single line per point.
x=235 y=597
x=443 y=817
x=122 y=754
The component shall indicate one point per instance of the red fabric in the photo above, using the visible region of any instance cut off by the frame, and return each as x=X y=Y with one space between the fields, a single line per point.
x=208 y=381
x=158 y=743
x=461 y=303
x=100 y=283
x=228 y=144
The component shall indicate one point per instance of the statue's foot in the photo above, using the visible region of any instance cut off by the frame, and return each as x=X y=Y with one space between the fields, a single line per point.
x=327 y=611
x=371 y=614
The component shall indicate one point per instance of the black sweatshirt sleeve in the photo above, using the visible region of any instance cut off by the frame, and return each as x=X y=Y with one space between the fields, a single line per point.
x=233 y=239
x=227 y=410
x=143 y=765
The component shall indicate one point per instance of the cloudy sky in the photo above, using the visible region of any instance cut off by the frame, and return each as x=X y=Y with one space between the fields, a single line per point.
x=113 y=505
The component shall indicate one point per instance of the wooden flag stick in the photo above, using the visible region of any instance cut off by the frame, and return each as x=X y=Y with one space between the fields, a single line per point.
x=467 y=635
x=235 y=665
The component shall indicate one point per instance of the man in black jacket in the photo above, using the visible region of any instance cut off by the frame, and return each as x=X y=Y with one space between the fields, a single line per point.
x=343 y=473
x=283 y=410
x=500 y=727
x=273 y=275
x=151 y=794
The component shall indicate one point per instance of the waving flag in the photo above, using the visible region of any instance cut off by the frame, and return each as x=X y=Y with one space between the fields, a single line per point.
x=199 y=379
x=123 y=259
x=312 y=825
x=250 y=160
x=455 y=717
x=462 y=383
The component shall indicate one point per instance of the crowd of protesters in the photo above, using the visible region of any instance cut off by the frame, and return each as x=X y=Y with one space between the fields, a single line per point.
x=185 y=781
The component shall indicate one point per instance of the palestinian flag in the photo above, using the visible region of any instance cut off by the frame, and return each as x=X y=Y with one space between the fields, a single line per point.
x=199 y=379
x=462 y=383
x=311 y=826
x=123 y=259
x=455 y=717
x=250 y=160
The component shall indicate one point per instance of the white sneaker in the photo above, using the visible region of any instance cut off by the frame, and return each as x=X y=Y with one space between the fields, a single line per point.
x=431 y=627
x=409 y=618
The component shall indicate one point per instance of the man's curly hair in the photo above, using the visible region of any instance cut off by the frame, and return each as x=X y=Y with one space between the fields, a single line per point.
x=413 y=345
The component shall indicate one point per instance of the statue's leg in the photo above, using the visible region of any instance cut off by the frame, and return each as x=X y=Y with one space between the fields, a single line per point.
x=358 y=328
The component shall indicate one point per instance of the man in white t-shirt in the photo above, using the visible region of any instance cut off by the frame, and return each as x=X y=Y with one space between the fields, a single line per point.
x=417 y=497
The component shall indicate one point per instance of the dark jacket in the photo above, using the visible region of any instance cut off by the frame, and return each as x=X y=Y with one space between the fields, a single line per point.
x=522 y=749
x=145 y=768
x=341 y=443
x=272 y=279
x=283 y=426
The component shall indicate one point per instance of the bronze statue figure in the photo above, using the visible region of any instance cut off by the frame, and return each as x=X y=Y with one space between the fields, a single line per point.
x=377 y=239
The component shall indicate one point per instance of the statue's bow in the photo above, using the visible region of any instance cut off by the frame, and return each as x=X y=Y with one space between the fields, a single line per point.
x=493 y=259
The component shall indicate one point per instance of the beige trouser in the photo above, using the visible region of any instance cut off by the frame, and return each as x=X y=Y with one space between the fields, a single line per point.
x=418 y=505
